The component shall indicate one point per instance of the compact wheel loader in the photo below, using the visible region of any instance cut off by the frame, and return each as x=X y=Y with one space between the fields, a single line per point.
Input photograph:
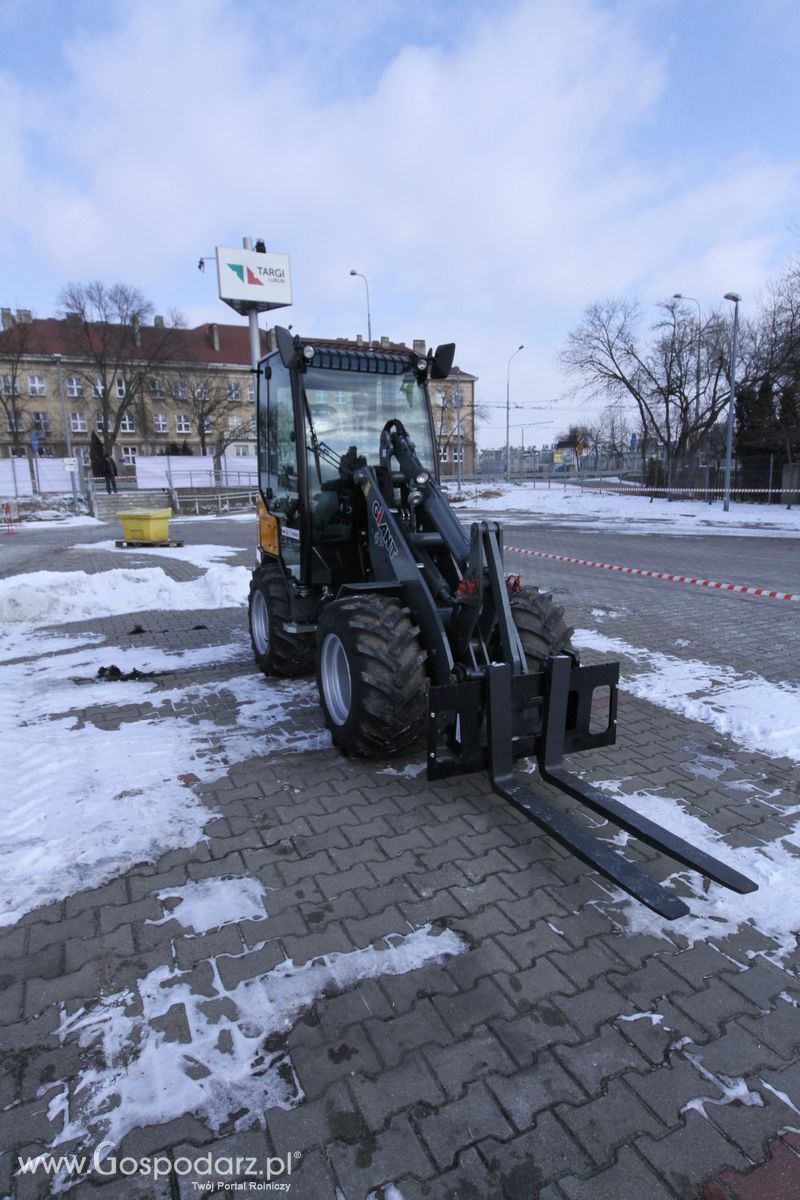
x=366 y=576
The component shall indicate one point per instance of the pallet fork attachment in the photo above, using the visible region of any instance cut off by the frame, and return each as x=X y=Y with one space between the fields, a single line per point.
x=580 y=841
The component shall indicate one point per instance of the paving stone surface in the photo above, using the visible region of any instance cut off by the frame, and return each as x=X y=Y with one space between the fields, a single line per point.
x=559 y=1056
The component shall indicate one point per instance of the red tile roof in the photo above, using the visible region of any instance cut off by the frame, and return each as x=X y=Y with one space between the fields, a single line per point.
x=50 y=335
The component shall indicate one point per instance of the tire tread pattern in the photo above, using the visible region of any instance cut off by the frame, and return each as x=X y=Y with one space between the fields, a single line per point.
x=390 y=685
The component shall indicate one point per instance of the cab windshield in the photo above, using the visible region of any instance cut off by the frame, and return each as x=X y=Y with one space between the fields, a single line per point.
x=347 y=410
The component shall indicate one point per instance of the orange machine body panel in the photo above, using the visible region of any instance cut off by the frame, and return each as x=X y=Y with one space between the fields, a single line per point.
x=268 y=538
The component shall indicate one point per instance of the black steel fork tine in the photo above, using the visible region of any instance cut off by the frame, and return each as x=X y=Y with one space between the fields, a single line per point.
x=580 y=841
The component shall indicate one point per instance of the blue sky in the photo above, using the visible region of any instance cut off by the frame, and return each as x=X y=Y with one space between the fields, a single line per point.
x=491 y=168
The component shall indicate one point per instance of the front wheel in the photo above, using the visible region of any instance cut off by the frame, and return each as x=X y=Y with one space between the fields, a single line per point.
x=371 y=675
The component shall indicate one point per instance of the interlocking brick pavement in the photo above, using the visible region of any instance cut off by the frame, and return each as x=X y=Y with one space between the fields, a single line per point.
x=508 y=1072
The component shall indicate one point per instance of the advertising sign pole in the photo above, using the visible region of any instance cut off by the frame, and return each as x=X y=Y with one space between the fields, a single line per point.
x=252 y=317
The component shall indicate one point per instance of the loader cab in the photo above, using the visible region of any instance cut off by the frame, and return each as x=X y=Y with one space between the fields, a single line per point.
x=321 y=411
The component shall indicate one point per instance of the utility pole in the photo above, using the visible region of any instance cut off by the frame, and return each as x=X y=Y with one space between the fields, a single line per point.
x=252 y=318
x=508 y=413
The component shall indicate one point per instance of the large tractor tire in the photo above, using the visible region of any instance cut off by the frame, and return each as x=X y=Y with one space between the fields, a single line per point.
x=371 y=675
x=276 y=652
x=541 y=626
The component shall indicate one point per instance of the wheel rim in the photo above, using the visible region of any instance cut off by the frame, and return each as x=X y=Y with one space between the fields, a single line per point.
x=335 y=677
x=259 y=623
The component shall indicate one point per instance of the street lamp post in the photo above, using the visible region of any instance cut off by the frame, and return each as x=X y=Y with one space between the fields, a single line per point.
x=678 y=296
x=508 y=412
x=735 y=299
x=369 y=316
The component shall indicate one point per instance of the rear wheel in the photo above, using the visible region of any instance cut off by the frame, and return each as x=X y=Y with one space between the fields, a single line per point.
x=541 y=626
x=276 y=652
x=371 y=675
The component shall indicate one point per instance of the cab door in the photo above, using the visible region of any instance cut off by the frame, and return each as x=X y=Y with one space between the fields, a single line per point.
x=278 y=473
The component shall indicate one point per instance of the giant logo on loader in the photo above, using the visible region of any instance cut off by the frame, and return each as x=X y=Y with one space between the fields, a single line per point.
x=383 y=534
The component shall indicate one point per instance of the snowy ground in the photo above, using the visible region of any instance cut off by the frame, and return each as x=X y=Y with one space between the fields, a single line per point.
x=590 y=508
x=91 y=801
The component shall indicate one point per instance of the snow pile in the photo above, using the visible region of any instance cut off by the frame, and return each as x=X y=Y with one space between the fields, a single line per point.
x=49 y=597
x=142 y=1078
x=758 y=714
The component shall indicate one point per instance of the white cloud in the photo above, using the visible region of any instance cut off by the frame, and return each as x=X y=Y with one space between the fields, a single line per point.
x=488 y=177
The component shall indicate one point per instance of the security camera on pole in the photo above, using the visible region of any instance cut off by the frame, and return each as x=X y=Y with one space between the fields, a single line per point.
x=253 y=281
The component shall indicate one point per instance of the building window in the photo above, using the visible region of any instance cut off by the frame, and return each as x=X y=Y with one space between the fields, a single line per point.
x=157 y=389
x=129 y=456
x=251 y=392
x=121 y=388
x=234 y=393
x=15 y=423
x=99 y=423
x=252 y=426
x=183 y=424
x=10 y=386
x=41 y=422
x=208 y=424
x=241 y=451
x=127 y=424
x=444 y=454
x=74 y=386
x=458 y=455
x=160 y=423
x=77 y=422
x=36 y=385
x=234 y=422
x=179 y=389
x=84 y=455
x=97 y=387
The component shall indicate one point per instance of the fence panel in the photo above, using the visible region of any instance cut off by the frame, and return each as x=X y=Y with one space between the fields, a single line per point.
x=171 y=470
x=51 y=475
x=15 y=478
x=240 y=470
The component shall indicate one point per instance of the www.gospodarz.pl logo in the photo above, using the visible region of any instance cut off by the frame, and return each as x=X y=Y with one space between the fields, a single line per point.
x=212 y=1174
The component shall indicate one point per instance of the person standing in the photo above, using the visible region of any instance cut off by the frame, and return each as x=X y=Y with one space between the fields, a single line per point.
x=110 y=472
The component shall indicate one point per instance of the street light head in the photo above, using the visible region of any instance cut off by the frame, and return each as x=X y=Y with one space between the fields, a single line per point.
x=520 y=347
x=354 y=272
x=677 y=296
x=732 y=296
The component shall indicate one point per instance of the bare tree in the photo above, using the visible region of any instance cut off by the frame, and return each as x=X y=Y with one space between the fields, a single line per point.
x=16 y=342
x=209 y=402
x=768 y=404
x=107 y=328
x=607 y=358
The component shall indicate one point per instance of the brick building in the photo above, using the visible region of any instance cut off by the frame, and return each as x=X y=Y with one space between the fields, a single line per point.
x=172 y=388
